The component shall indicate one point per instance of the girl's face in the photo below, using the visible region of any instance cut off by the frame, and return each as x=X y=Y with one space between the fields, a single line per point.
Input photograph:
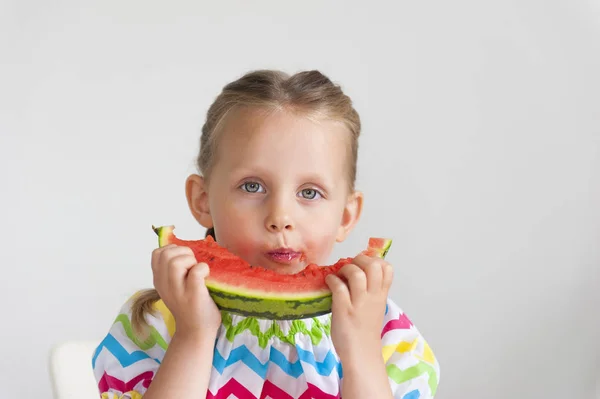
x=278 y=191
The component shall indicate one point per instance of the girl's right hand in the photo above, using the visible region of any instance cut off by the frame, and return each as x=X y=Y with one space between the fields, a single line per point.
x=179 y=280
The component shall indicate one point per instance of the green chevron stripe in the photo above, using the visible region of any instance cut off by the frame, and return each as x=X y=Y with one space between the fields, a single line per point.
x=152 y=339
x=298 y=326
x=400 y=376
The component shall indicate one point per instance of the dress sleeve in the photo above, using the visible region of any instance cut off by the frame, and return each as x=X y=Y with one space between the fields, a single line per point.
x=125 y=363
x=412 y=369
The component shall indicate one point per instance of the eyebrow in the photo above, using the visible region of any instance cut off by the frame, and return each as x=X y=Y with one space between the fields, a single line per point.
x=316 y=179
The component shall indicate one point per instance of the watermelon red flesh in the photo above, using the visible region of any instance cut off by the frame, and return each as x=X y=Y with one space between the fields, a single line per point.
x=237 y=286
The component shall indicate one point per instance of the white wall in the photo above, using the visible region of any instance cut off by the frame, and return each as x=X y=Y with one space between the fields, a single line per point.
x=480 y=157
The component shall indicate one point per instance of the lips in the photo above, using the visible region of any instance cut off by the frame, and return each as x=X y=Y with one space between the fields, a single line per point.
x=284 y=255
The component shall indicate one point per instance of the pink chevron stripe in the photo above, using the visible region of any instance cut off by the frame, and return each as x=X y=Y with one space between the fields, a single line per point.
x=232 y=387
x=107 y=382
x=314 y=392
x=272 y=390
x=401 y=323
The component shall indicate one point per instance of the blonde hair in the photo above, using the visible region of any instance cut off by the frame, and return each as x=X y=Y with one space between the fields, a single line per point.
x=309 y=93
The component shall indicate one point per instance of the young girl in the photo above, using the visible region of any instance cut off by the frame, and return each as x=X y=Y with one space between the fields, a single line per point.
x=278 y=164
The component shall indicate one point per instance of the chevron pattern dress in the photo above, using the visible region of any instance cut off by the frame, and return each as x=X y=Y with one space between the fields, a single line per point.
x=263 y=359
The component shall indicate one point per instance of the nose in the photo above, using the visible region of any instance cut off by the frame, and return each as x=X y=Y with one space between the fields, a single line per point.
x=279 y=224
x=279 y=218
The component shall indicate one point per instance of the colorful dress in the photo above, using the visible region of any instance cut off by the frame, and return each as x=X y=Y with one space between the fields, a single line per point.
x=263 y=359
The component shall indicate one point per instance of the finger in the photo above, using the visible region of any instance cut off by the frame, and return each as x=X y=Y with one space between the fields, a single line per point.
x=339 y=292
x=388 y=276
x=162 y=248
x=373 y=268
x=157 y=252
x=178 y=269
x=196 y=275
x=356 y=280
x=169 y=252
x=159 y=264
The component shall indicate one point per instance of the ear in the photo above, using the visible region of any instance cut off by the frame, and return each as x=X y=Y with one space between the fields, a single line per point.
x=351 y=215
x=197 y=198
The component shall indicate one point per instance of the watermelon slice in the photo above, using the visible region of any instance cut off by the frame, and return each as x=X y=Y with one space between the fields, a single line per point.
x=238 y=287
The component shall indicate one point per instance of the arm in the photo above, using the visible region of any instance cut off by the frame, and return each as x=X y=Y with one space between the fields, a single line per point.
x=185 y=369
x=365 y=379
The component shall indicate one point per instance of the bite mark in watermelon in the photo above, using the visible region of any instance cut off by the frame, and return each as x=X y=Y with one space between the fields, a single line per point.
x=238 y=287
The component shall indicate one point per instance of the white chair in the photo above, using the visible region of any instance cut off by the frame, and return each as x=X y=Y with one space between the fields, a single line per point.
x=70 y=370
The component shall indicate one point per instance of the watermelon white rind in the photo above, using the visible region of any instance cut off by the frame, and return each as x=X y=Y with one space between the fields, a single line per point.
x=260 y=292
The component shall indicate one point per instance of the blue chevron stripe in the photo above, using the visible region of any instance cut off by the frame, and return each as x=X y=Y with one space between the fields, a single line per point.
x=291 y=369
x=244 y=355
x=323 y=368
x=412 y=395
x=125 y=358
x=241 y=353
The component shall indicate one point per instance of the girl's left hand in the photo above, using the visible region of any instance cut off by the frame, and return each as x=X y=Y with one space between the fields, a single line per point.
x=360 y=292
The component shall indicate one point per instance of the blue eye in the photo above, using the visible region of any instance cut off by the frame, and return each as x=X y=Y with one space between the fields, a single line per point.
x=252 y=187
x=309 y=193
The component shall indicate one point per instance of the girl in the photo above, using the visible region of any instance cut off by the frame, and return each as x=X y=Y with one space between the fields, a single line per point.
x=278 y=164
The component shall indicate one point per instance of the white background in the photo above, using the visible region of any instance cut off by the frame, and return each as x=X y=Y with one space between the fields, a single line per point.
x=480 y=157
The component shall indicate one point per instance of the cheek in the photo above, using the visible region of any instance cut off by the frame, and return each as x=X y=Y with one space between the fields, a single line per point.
x=320 y=245
x=235 y=230
x=243 y=246
x=320 y=234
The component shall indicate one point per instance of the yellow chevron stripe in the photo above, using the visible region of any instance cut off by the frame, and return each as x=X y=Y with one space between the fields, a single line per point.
x=428 y=355
x=131 y=394
x=167 y=316
x=403 y=347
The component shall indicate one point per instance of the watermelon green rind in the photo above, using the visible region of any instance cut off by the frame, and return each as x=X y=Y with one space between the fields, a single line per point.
x=164 y=234
x=249 y=293
x=271 y=308
x=272 y=303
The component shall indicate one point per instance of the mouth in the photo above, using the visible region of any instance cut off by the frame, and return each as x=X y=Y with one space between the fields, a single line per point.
x=284 y=255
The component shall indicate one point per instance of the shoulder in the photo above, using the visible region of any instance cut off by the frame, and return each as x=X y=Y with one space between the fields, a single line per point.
x=400 y=336
x=409 y=358
x=397 y=327
x=126 y=360
x=396 y=316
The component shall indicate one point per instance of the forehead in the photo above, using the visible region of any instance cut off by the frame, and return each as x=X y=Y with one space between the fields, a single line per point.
x=286 y=141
